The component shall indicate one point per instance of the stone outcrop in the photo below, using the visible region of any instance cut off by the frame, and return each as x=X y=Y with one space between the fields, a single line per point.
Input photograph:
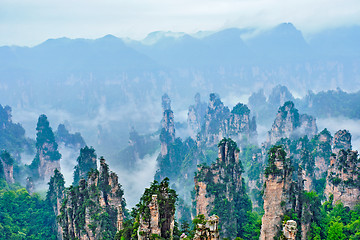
x=343 y=179
x=7 y=167
x=12 y=134
x=209 y=230
x=290 y=230
x=147 y=228
x=323 y=150
x=342 y=140
x=220 y=122
x=290 y=124
x=196 y=116
x=281 y=194
x=47 y=157
x=156 y=212
x=85 y=162
x=93 y=209
x=55 y=196
x=221 y=184
x=73 y=140
x=167 y=135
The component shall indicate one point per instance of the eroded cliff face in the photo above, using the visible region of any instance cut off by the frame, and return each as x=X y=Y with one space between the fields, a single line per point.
x=343 y=179
x=155 y=213
x=323 y=150
x=220 y=189
x=196 y=116
x=277 y=193
x=94 y=209
x=55 y=196
x=208 y=230
x=47 y=157
x=7 y=167
x=220 y=122
x=167 y=135
x=290 y=124
x=342 y=140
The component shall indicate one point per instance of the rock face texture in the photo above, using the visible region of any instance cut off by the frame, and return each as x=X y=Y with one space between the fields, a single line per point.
x=220 y=189
x=290 y=230
x=220 y=122
x=290 y=124
x=7 y=167
x=322 y=157
x=343 y=179
x=73 y=140
x=55 y=196
x=196 y=116
x=342 y=140
x=93 y=209
x=47 y=157
x=147 y=228
x=167 y=135
x=209 y=230
x=85 y=162
x=281 y=194
x=156 y=212
x=12 y=134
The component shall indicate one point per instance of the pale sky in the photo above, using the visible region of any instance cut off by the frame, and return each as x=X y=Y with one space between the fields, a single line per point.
x=30 y=22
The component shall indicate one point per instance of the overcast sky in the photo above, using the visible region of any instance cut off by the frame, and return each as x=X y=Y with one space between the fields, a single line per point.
x=30 y=22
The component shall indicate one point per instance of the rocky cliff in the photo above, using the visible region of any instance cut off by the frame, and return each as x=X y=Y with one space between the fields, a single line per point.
x=290 y=124
x=85 y=162
x=95 y=208
x=220 y=190
x=7 y=167
x=73 y=140
x=155 y=214
x=47 y=157
x=207 y=230
x=342 y=140
x=167 y=135
x=196 y=116
x=12 y=135
x=281 y=193
x=343 y=179
x=55 y=196
x=220 y=122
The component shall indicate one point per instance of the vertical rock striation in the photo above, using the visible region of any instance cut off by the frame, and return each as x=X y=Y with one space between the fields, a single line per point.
x=47 y=157
x=343 y=179
x=93 y=209
x=290 y=124
x=220 y=190
x=196 y=116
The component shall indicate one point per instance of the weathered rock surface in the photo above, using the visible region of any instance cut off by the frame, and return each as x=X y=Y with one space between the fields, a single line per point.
x=209 y=230
x=343 y=179
x=196 y=116
x=220 y=122
x=290 y=230
x=290 y=124
x=94 y=209
x=342 y=140
x=7 y=167
x=222 y=184
x=47 y=157
x=167 y=135
x=280 y=193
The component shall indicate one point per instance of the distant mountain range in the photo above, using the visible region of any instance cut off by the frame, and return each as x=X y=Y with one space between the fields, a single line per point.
x=82 y=76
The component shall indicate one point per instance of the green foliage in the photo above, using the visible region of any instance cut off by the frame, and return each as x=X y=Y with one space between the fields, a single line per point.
x=70 y=140
x=241 y=109
x=85 y=162
x=45 y=135
x=275 y=153
x=23 y=216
